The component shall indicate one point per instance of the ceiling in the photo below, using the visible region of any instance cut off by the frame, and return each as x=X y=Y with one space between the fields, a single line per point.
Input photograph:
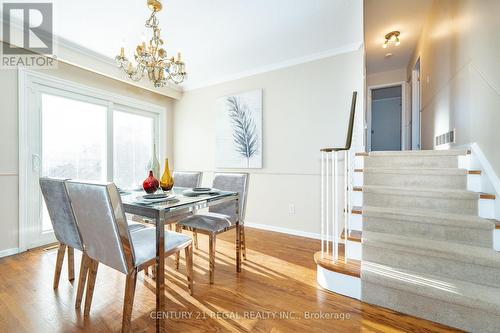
x=219 y=39
x=383 y=16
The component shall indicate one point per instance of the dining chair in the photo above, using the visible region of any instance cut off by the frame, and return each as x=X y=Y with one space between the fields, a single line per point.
x=222 y=217
x=66 y=232
x=187 y=179
x=101 y=219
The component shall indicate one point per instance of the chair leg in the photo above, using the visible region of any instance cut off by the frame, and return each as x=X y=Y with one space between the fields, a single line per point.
x=82 y=277
x=90 y=285
x=195 y=238
x=59 y=262
x=71 y=263
x=178 y=254
x=238 y=248
x=211 y=256
x=243 y=242
x=189 y=267
x=128 y=302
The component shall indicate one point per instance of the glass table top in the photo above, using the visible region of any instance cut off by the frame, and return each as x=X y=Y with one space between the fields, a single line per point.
x=175 y=199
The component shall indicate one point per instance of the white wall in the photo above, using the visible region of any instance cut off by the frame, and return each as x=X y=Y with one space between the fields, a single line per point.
x=460 y=73
x=305 y=108
x=377 y=79
x=9 y=135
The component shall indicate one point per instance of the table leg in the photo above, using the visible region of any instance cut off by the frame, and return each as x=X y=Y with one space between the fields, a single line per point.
x=238 y=238
x=160 y=272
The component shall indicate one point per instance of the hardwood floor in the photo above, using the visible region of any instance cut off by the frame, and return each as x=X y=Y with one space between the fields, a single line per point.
x=277 y=279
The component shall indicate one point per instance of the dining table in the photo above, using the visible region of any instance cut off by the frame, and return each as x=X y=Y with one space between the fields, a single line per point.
x=179 y=202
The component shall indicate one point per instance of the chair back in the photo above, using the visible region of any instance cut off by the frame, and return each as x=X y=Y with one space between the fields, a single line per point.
x=234 y=182
x=101 y=219
x=60 y=212
x=189 y=179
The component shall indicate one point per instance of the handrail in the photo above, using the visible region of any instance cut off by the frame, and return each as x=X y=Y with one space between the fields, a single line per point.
x=329 y=196
x=350 y=128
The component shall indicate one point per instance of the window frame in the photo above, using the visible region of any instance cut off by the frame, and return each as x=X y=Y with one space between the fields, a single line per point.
x=31 y=85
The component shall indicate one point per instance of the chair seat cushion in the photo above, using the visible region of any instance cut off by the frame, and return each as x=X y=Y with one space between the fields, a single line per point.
x=144 y=243
x=212 y=222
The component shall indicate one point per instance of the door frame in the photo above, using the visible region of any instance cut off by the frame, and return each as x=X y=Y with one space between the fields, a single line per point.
x=416 y=103
x=403 y=84
x=29 y=161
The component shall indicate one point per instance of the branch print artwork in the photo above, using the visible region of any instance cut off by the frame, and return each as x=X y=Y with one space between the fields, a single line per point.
x=239 y=131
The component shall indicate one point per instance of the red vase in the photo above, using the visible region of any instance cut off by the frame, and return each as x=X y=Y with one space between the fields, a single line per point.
x=151 y=184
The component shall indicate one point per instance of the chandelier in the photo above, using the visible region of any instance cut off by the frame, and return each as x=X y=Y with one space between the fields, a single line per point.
x=152 y=58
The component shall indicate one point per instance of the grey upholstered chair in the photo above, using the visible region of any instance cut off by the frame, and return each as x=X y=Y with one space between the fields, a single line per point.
x=101 y=219
x=66 y=231
x=187 y=179
x=222 y=217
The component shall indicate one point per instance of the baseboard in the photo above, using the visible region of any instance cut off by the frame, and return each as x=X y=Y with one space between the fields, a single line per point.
x=9 y=252
x=282 y=230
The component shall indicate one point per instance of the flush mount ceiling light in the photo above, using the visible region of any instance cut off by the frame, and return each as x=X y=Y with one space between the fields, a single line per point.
x=152 y=57
x=391 y=38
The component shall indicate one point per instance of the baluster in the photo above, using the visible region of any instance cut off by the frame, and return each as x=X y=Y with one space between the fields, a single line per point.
x=346 y=202
x=335 y=206
x=327 y=202
x=322 y=204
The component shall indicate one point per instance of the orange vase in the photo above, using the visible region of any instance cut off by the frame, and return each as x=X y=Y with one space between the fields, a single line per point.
x=166 y=181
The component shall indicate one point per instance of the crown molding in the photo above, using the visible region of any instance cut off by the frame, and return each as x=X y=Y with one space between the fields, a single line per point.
x=275 y=66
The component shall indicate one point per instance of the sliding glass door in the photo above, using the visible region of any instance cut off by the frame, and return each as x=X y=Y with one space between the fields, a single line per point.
x=77 y=136
x=73 y=141
x=133 y=141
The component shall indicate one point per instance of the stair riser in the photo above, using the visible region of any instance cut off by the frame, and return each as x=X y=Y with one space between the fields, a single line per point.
x=425 y=263
x=455 y=182
x=454 y=315
x=411 y=161
x=439 y=204
x=402 y=227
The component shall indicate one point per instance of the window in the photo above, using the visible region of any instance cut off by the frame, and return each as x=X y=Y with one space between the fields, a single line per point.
x=77 y=132
x=73 y=141
x=133 y=139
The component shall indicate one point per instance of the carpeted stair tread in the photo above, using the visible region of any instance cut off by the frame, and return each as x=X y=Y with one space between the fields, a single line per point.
x=433 y=248
x=422 y=192
x=431 y=217
x=420 y=153
x=433 y=287
x=417 y=171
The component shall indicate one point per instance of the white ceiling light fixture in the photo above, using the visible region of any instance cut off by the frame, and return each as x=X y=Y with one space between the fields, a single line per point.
x=392 y=38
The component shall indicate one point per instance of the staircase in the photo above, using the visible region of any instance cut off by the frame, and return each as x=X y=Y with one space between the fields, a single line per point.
x=425 y=249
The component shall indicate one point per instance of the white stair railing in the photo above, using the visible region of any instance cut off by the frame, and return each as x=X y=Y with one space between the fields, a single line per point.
x=331 y=185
